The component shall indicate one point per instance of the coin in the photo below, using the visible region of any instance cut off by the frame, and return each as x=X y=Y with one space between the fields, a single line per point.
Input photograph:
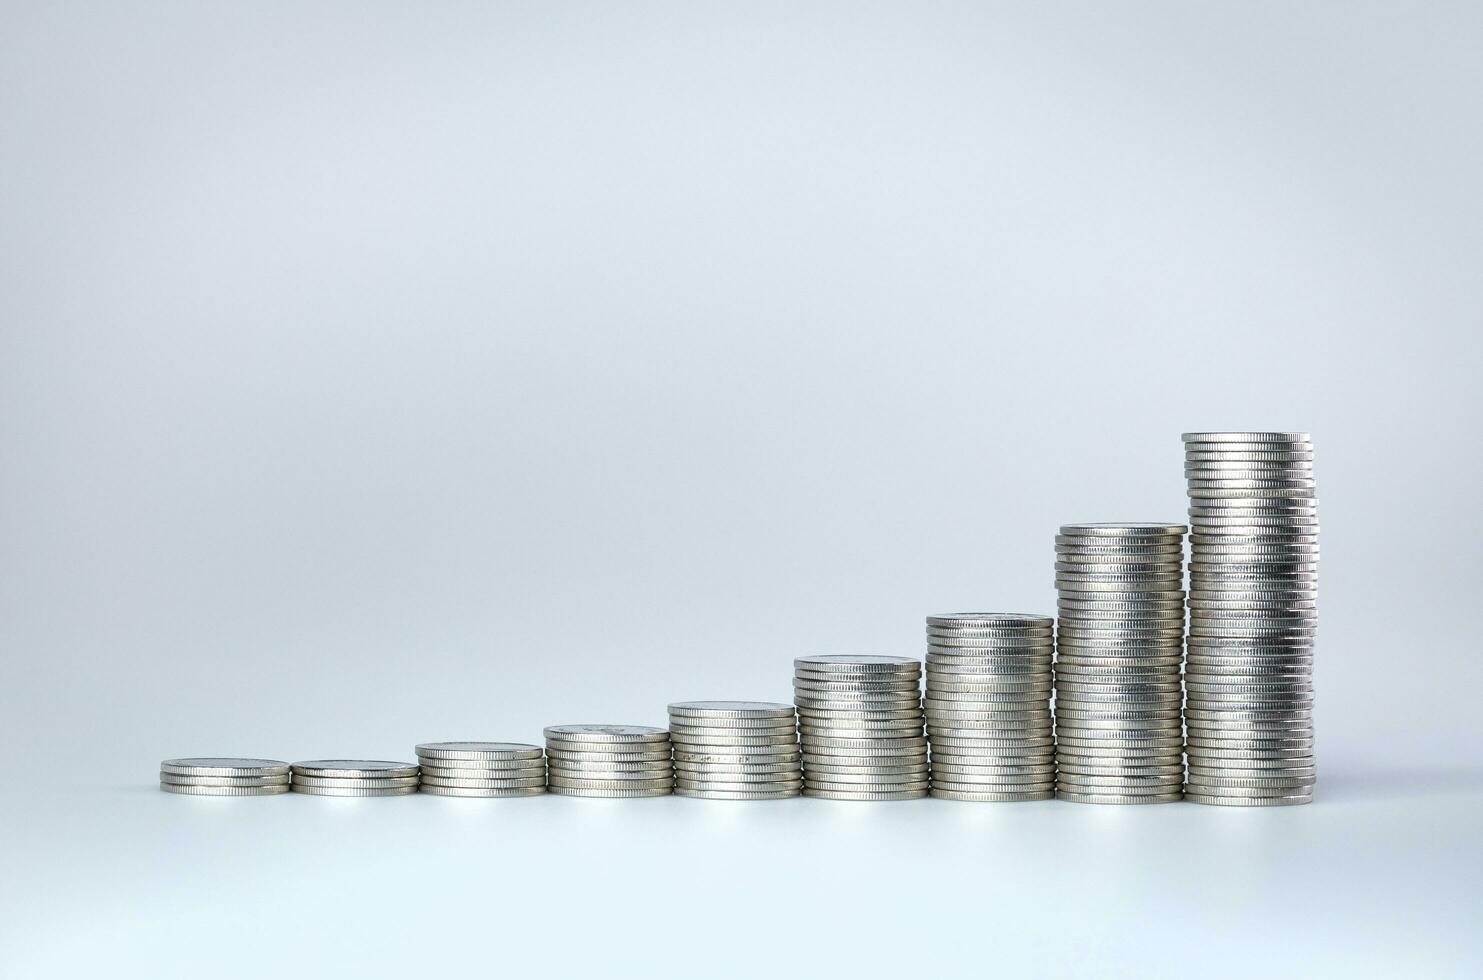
x=225 y=767
x=179 y=780
x=354 y=791
x=342 y=782
x=194 y=790
x=354 y=768
x=625 y=734
x=433 y=790
x=478 y=751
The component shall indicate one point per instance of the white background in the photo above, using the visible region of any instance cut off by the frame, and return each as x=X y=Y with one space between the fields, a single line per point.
x=376 y=373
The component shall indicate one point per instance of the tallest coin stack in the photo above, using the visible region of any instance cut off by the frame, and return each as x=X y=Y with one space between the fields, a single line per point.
x=1253 y=604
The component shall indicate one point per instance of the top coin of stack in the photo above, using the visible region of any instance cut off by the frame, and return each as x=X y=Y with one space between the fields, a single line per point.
x=1119 y=648
x=482 y=769
x=860 y=721
x=354 y=777
x=224 y=777
x=609 y=760
x=988 y=706
x=735 y=750
x=1253 y=617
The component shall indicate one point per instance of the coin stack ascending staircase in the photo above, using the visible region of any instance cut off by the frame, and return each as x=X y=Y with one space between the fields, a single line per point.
x=491 y=770
x=1253 y=616
x=1119 y=647
x=988 y=706
x=354 y=777
x=860 y=721
x=224 y=777
x=609 y=760
x=735 y=750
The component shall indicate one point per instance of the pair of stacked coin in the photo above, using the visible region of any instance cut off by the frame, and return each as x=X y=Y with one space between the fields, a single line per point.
x=988 y=706
x=492 y=770
x=224 y=777
x=609 y=760
x=860 y=722
x=1120 y=643
x=1253 y=617
x=735 y=750
x=354 y=777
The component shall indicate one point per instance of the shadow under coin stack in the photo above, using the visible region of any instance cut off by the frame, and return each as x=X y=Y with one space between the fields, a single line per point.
x=1253 y=617
x=1119 y=646
x=735 y=750
x=354 y=777
x=860 y=722
x=988 y=706
x=490 y=770
x=619 y=761
x=224 y=777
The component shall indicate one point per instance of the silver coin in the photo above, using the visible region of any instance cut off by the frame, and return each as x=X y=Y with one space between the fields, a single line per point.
x=718 y=786
x=765 y=753
x=354 y=768
x=708 y=795
x=1293 y=800
x=609 y=775
x=709 y=775
x=855 y=663
x=1074 y=767
x=447 y=766
x=731 y=709
x=1281 y=438
x=179 y=780
x=481 y=793
x=555 y=754
x=484 y=783
x=574 y=782
x=751 y=728
x=193 y=790
x=224 y=767
x=700 y=767
x=347 y=791
x=361 y=782
x=478 y=751
x=863 y=797
x=1116 y=799
x=526 y=773
x=605 y=733
x=736 y=740
x=989 y=620
x=811 y=787
x=943 y=794
x=616 y=794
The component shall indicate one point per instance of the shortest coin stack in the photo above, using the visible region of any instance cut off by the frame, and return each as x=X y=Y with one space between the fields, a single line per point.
x=491 y=770
x=609 y=760
x=354 y=777
x=224 y=777
x=735 y=750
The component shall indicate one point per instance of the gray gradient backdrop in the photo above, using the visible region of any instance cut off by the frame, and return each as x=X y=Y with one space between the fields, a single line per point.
x=374 y=373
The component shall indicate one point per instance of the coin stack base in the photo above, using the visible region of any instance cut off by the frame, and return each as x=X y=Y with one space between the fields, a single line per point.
x=988 y=706
x=615 y=761
x=1253 y=618
x=860 y=724
x=224 y=777
x=1119 y=646
x=735 y=750
x=486 y=770
x=354 y=778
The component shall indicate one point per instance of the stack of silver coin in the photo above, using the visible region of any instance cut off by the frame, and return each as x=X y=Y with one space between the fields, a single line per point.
x=492 y=770
x=354 y=777
x=1119 y=647
x=735 y=750
x=988 y=706
x=609 y=760
x=1253 y=617
x=860 y=721
x=224 y=777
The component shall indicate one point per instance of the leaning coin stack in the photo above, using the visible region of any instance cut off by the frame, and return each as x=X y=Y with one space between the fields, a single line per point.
x=1119 y=647
x=491 y=770
x=224 y=777
x=735 y=750
x=1253 y=616
x=609 y=760
x=988 y=706
x=354 y=777
x=860 y=721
